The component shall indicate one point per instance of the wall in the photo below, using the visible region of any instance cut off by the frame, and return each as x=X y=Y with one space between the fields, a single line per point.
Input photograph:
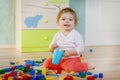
x=102 y=22
x=79 y=7
x=7 y=23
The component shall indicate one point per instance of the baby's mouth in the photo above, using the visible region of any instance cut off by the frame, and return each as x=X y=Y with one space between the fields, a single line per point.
x=66 y=25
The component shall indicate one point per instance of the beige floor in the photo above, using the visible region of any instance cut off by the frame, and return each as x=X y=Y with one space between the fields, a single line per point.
x=106 y=59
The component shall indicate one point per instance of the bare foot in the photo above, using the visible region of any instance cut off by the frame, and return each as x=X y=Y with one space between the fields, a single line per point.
x=91 y=67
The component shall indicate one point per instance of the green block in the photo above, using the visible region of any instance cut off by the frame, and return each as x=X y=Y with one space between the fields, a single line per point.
x=43 y=79
x=39 y=71
x=2 y=71
x=82 y=74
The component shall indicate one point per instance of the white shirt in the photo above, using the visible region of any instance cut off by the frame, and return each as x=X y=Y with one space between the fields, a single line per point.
x=72 y=40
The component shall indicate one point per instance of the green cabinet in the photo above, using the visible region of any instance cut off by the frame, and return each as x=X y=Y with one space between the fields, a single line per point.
x=36 y=40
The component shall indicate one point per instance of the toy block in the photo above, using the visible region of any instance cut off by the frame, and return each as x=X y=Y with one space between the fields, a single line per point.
x=7 y=69
x=32 y=72
x=39 y=76
x=0 y=77
x=82 y=74
x=39 y=71
x=75 y=78
x=89 y=73
x=10 y=78
x=50 y=78
x=60 y=79
x=13 y=68
x=27 y=65
x=90 y=78
x=17 y=62
x=2 y=71
x=12 y=63
x=68 y=77
x=95 y=76
x=91 y=50
x=43 y=79
x=100 y=75
x=44 y=71
x=20 y=77
x=72 y=72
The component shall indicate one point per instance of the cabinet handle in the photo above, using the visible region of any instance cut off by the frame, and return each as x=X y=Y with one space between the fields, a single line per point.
x=45 y=38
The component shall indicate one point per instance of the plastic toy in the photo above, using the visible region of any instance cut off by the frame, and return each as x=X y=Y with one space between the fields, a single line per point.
x=91 y=50
x=57 y=56
x=68 y=77
x=100 y=75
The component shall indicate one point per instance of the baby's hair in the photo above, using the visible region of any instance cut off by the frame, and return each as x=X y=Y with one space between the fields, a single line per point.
x=64 y=10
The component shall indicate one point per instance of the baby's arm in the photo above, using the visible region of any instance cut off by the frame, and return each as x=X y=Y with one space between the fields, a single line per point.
x=53 y=46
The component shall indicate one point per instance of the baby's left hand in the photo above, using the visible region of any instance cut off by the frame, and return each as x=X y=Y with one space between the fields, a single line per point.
x=67 y=53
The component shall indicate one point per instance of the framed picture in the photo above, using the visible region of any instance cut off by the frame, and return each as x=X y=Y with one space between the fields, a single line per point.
x=41 y=14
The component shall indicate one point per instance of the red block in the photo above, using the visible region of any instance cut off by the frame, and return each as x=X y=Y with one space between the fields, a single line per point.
x=68 y=77
x=90 y=78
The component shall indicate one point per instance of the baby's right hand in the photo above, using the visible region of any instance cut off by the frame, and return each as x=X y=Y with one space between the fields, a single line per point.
x=53 y=47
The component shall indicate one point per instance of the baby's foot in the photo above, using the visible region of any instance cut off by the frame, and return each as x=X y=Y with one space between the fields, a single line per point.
x=91 y=67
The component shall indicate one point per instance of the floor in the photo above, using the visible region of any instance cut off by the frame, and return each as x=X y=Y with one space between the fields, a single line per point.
x=105 y=58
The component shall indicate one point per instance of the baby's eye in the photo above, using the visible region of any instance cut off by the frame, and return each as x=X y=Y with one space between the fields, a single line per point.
x=63 y=19
x=70 y=19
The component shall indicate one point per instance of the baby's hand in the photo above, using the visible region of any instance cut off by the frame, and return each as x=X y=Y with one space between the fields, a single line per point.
x=66 y=53
x=53 y=47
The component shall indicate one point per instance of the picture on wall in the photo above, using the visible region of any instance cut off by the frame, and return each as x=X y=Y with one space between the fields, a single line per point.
x=41 y=14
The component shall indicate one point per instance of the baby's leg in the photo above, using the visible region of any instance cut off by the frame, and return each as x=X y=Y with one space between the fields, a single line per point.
x=74 y=64
x=91 y=66
x=48 y=64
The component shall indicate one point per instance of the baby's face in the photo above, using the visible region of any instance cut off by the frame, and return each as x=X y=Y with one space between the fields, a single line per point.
x=66 y=21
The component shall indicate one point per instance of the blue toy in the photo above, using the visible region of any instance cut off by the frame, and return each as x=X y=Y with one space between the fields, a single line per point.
x=91 y=50
x=57 y=56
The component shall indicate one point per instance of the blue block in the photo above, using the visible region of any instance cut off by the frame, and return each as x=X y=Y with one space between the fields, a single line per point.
x=100 y=75
x=89 y=73
x=12 y=63
x=7 y=69
x=91 y=50
x=32 y=72
x=95 y=76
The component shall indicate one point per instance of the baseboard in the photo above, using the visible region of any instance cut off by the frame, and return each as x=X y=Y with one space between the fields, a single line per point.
x=7 y=46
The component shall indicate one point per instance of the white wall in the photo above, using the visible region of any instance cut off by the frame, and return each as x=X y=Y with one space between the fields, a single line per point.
x=102 y=22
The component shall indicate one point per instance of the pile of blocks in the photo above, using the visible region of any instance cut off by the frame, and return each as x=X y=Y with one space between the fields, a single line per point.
x=33 y=70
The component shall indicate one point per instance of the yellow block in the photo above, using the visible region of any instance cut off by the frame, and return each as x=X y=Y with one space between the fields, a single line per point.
x=20 y=77
x=44 y=70
x=10 y=78
x=0 y=78
x=50 y=78
x=61 y=79
x=17 y=62
x=72 y=72
x=75 y=78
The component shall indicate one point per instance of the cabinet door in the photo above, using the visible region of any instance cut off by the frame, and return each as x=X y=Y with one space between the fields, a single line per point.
x=36 y=40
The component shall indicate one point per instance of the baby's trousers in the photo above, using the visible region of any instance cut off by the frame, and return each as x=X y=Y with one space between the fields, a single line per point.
x=69 y=64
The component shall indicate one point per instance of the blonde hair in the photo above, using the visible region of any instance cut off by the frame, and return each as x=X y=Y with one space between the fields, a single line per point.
x=64 y=10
